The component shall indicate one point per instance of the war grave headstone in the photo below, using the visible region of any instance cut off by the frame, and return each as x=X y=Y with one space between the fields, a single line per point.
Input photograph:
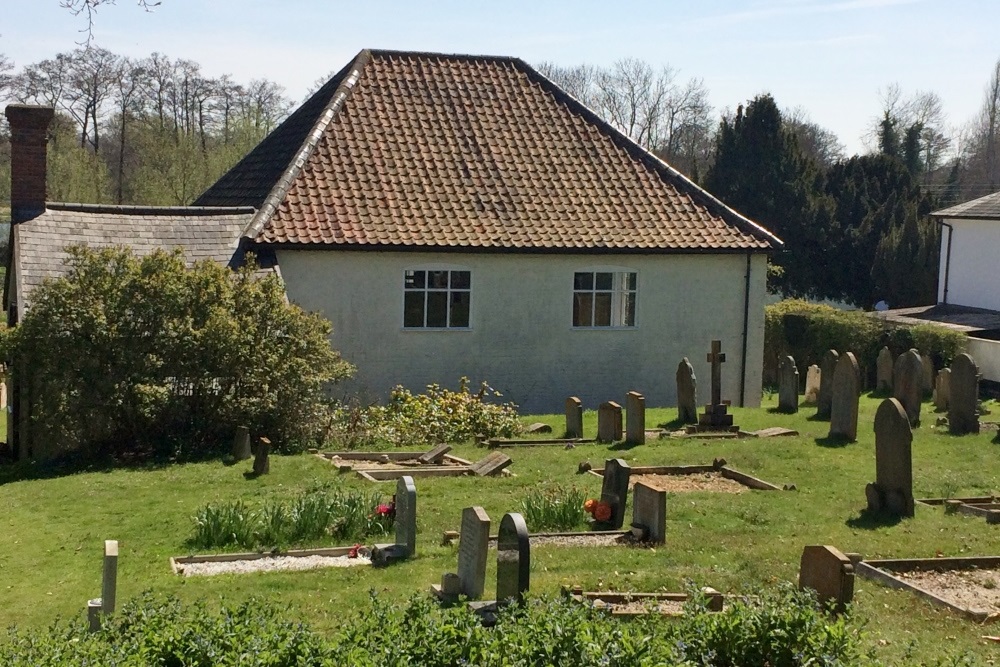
x=687 y=393
x=883 y=371
x=892 y=491
x=635 y=418
x=907 y=383
x=963 y=407
x=926 y=375
x=811 y=394
x=473 y=549
x=609 y=422
x=942 y=390
x=830 y=573
x=788 y=385
x=574 y=417
x=716 y=416
x=846 y=392
x=827 y=367
x=406 y=526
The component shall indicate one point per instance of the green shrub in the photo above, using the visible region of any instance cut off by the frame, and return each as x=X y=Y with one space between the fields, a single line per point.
x=556 y=509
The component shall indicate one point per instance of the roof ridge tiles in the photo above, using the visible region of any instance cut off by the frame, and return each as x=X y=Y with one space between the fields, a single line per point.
x=130 y=209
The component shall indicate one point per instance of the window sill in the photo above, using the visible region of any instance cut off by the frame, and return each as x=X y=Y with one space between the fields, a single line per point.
x=604 y=328
x=412 y=329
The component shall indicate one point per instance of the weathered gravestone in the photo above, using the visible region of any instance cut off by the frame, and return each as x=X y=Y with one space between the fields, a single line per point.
x=907 y=383
x=406 y=526
x=649 y=511
x=788 y=385
x=830 y=573
x=574 y=417
x=614 y=490
x=635 y=418
x=942 y=390
x=963 y=408
x=926 y=375
x=513 y=559
x=844 y=404
x=811 y=394
x=826 y=370
x=883 y=371
x=262 y=457
x=892 y=491
x=687 y=393
x=241 y=444
x=609 y=422
x=473 y=546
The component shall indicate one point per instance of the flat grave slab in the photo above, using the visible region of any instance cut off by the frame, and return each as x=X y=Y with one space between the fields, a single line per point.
x=629 y=605
x=297 y=559
x=695 y=478
x=968 y=585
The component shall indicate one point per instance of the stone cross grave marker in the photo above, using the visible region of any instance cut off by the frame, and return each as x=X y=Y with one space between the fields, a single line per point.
x=635 y=418
x=687 y=393
x=716 y=417
x=574 y=417
x=513 y=559
x=609 y=422
x=406 y=516
x=963 y=407
x=241 y=444
x=473 y=546
x=883 y=371
x=812 y=385
x=942 y=390
x=788 y=385
x=614 y=490
x=844 y=403
x=830 y=573
x=649 y=510
x=716 y=357
x=827 y=367
x=892 y=491
x=926 y=375
x=907 y=380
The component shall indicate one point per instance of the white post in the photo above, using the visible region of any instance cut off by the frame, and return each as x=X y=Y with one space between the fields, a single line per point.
x=109 y=586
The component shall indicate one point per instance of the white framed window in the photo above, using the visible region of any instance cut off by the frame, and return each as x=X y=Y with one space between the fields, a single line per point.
x=436 y=299
x=604 y=298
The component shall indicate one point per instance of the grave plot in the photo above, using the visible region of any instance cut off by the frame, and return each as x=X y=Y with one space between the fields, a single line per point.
x=987 y=507
x=967 y=585
x=630 y=605
x=716 y=477
x=437 y=462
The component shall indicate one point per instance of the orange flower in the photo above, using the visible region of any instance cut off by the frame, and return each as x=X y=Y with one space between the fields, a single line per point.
x=589 y=505
x=602 y=512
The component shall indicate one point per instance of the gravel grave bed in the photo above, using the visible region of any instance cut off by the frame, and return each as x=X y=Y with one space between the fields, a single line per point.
x=701 y=481
x=977 y=590
x=579 y=540
x=271 y=564
x=669 y=607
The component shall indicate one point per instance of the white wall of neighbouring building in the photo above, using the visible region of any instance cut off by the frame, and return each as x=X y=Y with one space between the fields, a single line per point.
x=971 y=265
x=521 y=339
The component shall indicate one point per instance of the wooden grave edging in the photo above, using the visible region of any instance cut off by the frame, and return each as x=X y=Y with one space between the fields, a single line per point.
x=882 y=570
x=716 y=600
x=727 y=472
x=177 y=563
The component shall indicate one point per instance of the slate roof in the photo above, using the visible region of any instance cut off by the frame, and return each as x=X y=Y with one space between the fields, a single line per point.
x=39 y=244
x=432 y=151
x=984 y=207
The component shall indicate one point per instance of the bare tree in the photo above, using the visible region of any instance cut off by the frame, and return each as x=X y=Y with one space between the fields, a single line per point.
x=264 y=104
x=42 y=82
x=86 y=8
x=579 y=81
x=6 y=78
x=93 y=73
x=129 y=79
x=818 y=143
x=923 y=111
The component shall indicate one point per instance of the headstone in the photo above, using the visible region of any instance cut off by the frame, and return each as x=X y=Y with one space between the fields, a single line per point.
x=109 y=581
x=262 y=457
x=687 y=393
x=649 y=510
x=927 y=375
x=539 y=427
x=574 y=417
x=716 y=416
x=635 y=418
x=826 y=370
x=492 y=464
x=614 y=490
x=513 y=559
x=406 y=517
x=788 y=385
x=241 y=443
x=845 y=393
x=812 y=385
x=907 y=383
x=892 y=491
x=942 y=390
x=473 y=546
x=434 y=455
x=883 y=371
x=963 y=408
x=609 y=422
x=830 y=573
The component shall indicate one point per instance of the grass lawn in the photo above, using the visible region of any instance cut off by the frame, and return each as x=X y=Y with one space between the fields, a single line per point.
x=53 y=529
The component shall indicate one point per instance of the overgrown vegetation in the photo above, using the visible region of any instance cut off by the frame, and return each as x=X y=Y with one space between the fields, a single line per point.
x=130 y=356
x=323 y=513
x=556 y=508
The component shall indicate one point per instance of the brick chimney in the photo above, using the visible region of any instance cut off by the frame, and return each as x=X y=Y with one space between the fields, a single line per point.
x=29 y=127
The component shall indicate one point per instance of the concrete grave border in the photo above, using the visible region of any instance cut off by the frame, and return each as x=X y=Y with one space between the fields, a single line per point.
x=460 y=467
x=987 y=507
x=716 y=600
x=727 y=472
x=177 y=563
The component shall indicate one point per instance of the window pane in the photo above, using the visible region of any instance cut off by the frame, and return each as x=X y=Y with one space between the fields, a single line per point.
x=583 y=281
x=602 y=310
x=582 y=306
x=437 y=279
x=604 y=281
x=630 y=281
x=630 y=309
x=437 y=309
x=460 y=279
x=413 y=280
x=413 y=309
x=458 y=316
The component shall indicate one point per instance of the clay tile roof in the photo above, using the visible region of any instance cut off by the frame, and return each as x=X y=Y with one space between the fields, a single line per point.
x=984 y=207
x=412 y=149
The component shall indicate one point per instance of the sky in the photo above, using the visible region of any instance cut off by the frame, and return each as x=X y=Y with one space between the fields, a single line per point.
x=833 y=58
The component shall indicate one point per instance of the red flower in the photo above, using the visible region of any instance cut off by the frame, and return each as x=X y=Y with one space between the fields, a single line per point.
x=384 y=510
x=602 y=512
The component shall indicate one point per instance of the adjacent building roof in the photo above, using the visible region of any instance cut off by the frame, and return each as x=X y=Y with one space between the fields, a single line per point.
x=434 y=151
x=984 y=207
x=39 y=244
